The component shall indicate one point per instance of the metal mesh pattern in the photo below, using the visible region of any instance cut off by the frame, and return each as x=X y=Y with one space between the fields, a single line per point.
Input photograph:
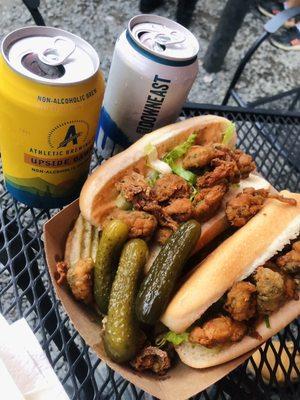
x=26 y=290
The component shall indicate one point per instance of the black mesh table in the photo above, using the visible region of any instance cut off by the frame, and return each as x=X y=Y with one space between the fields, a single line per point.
x=25 y=289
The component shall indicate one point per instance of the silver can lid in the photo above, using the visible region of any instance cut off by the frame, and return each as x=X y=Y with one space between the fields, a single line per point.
x=163 y=37
x=49 y=55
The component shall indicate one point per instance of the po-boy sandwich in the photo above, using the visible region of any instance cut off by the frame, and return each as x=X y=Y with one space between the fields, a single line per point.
x=243 y=292
x=151 y=207
x=182 y=171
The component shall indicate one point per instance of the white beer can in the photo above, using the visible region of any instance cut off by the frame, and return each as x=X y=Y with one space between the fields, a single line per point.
x=153 y=68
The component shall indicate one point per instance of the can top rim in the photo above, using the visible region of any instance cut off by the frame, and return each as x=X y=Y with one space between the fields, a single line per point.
x=151 y=18
x=30 y=31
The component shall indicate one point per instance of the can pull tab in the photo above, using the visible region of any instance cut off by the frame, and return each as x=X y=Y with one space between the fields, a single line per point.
x=169 y=38
x=62 y=49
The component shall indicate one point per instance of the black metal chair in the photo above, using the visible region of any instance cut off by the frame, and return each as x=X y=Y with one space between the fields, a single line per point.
x=291 y=96
x=184 y=12
x=32 y=6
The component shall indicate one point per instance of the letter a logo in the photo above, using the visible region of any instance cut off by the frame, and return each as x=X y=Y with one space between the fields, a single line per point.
x=71 y=136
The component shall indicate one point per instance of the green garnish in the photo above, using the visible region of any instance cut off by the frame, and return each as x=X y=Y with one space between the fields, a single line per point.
x=228 y=134
x=152 y=178
x=176 y=338
x=267 y=321
x=172 y=337
x=184 y=173
x=174 y=155
x=235 y=185
x=180 y=150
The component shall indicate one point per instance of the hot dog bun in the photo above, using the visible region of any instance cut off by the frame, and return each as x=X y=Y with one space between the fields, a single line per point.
x=197 y=356
x=235 y=259
x=97 y=198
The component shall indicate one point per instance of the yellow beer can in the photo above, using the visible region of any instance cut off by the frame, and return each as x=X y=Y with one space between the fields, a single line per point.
x=51 y=91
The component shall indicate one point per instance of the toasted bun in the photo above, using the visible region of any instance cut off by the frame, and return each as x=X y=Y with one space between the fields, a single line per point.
x=97 y=198
x=197 y=356
x=235 y=259
x=82 y=242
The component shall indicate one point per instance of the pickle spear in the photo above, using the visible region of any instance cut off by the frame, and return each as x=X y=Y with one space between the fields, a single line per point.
x=122 y=337
x=157 y=287
x=110 y=246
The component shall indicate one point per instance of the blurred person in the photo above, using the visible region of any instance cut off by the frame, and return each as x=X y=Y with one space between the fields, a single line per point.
x=184 y=11
x=288 y=38
x=146 y=6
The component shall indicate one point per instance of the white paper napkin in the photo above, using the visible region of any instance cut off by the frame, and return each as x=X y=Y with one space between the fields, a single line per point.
x=8 y=387
x=27 y=364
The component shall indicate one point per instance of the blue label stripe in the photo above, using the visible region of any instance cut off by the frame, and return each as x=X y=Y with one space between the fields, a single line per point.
x=158 y=59
x=111 y=130
x=44 y=202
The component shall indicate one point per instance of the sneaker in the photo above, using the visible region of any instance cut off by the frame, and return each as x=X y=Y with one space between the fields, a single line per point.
x=287 y=39
x=270 y=8
x=147 y=6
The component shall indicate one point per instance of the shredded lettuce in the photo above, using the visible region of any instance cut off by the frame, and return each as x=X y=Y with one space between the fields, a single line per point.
x=172 y=337
x=153 y=161
x=176 y=338
x=180 y=150
x=184 y=173
x=160 y=166
x=228 y=134
x=152 y=178
x=173 y=156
